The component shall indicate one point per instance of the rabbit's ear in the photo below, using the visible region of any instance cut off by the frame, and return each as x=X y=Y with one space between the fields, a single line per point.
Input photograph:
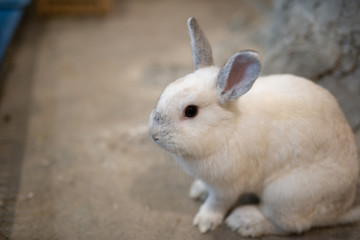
x=238 y=75
x=201 y=49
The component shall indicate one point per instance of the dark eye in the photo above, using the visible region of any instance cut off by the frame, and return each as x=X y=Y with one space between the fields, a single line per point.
x=191 y=111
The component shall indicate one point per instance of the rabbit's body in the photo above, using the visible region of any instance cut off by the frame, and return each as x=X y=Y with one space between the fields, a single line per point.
x=285 y=140
x=284 y=122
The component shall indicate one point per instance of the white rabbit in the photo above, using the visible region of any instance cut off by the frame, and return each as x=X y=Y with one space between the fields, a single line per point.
x=282 y=137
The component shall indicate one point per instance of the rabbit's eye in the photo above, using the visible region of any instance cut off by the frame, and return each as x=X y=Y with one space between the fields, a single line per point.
x=191 y=111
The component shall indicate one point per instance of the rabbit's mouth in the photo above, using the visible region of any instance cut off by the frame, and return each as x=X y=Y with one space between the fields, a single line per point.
x=156 y=139
x=164 y=142
x=159 y=140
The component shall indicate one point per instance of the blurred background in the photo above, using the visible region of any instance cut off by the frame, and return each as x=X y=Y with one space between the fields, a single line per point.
x=79 y=78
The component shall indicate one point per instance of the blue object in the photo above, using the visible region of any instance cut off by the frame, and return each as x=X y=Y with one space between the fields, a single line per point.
x=10 y=15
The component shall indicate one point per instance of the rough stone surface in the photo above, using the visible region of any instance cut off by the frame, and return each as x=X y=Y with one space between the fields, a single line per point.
x=86 y=168
x=319 y=40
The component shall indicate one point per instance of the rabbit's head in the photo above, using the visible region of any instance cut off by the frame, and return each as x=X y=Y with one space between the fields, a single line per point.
x=195 y=113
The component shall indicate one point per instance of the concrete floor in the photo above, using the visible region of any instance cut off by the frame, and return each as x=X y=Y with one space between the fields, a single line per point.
x=80 y=90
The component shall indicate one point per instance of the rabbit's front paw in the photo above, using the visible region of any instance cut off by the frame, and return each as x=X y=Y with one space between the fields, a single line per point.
x=207 y=220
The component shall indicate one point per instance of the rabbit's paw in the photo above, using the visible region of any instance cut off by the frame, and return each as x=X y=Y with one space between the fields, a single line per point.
x=248 y=221
x=198 y=190
x=207 y=220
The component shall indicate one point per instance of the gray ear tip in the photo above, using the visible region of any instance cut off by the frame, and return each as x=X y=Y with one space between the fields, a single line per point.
x=249 y=55
x=191 y=22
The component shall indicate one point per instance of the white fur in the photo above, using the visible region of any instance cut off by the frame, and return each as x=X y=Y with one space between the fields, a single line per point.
x=286 y=140
x=198 y=190
x=250 y=222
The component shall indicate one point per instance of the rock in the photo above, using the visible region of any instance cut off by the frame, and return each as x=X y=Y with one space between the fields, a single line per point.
x=319 y=40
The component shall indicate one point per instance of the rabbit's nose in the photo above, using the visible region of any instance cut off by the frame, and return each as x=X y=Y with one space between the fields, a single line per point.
x=154 y=135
